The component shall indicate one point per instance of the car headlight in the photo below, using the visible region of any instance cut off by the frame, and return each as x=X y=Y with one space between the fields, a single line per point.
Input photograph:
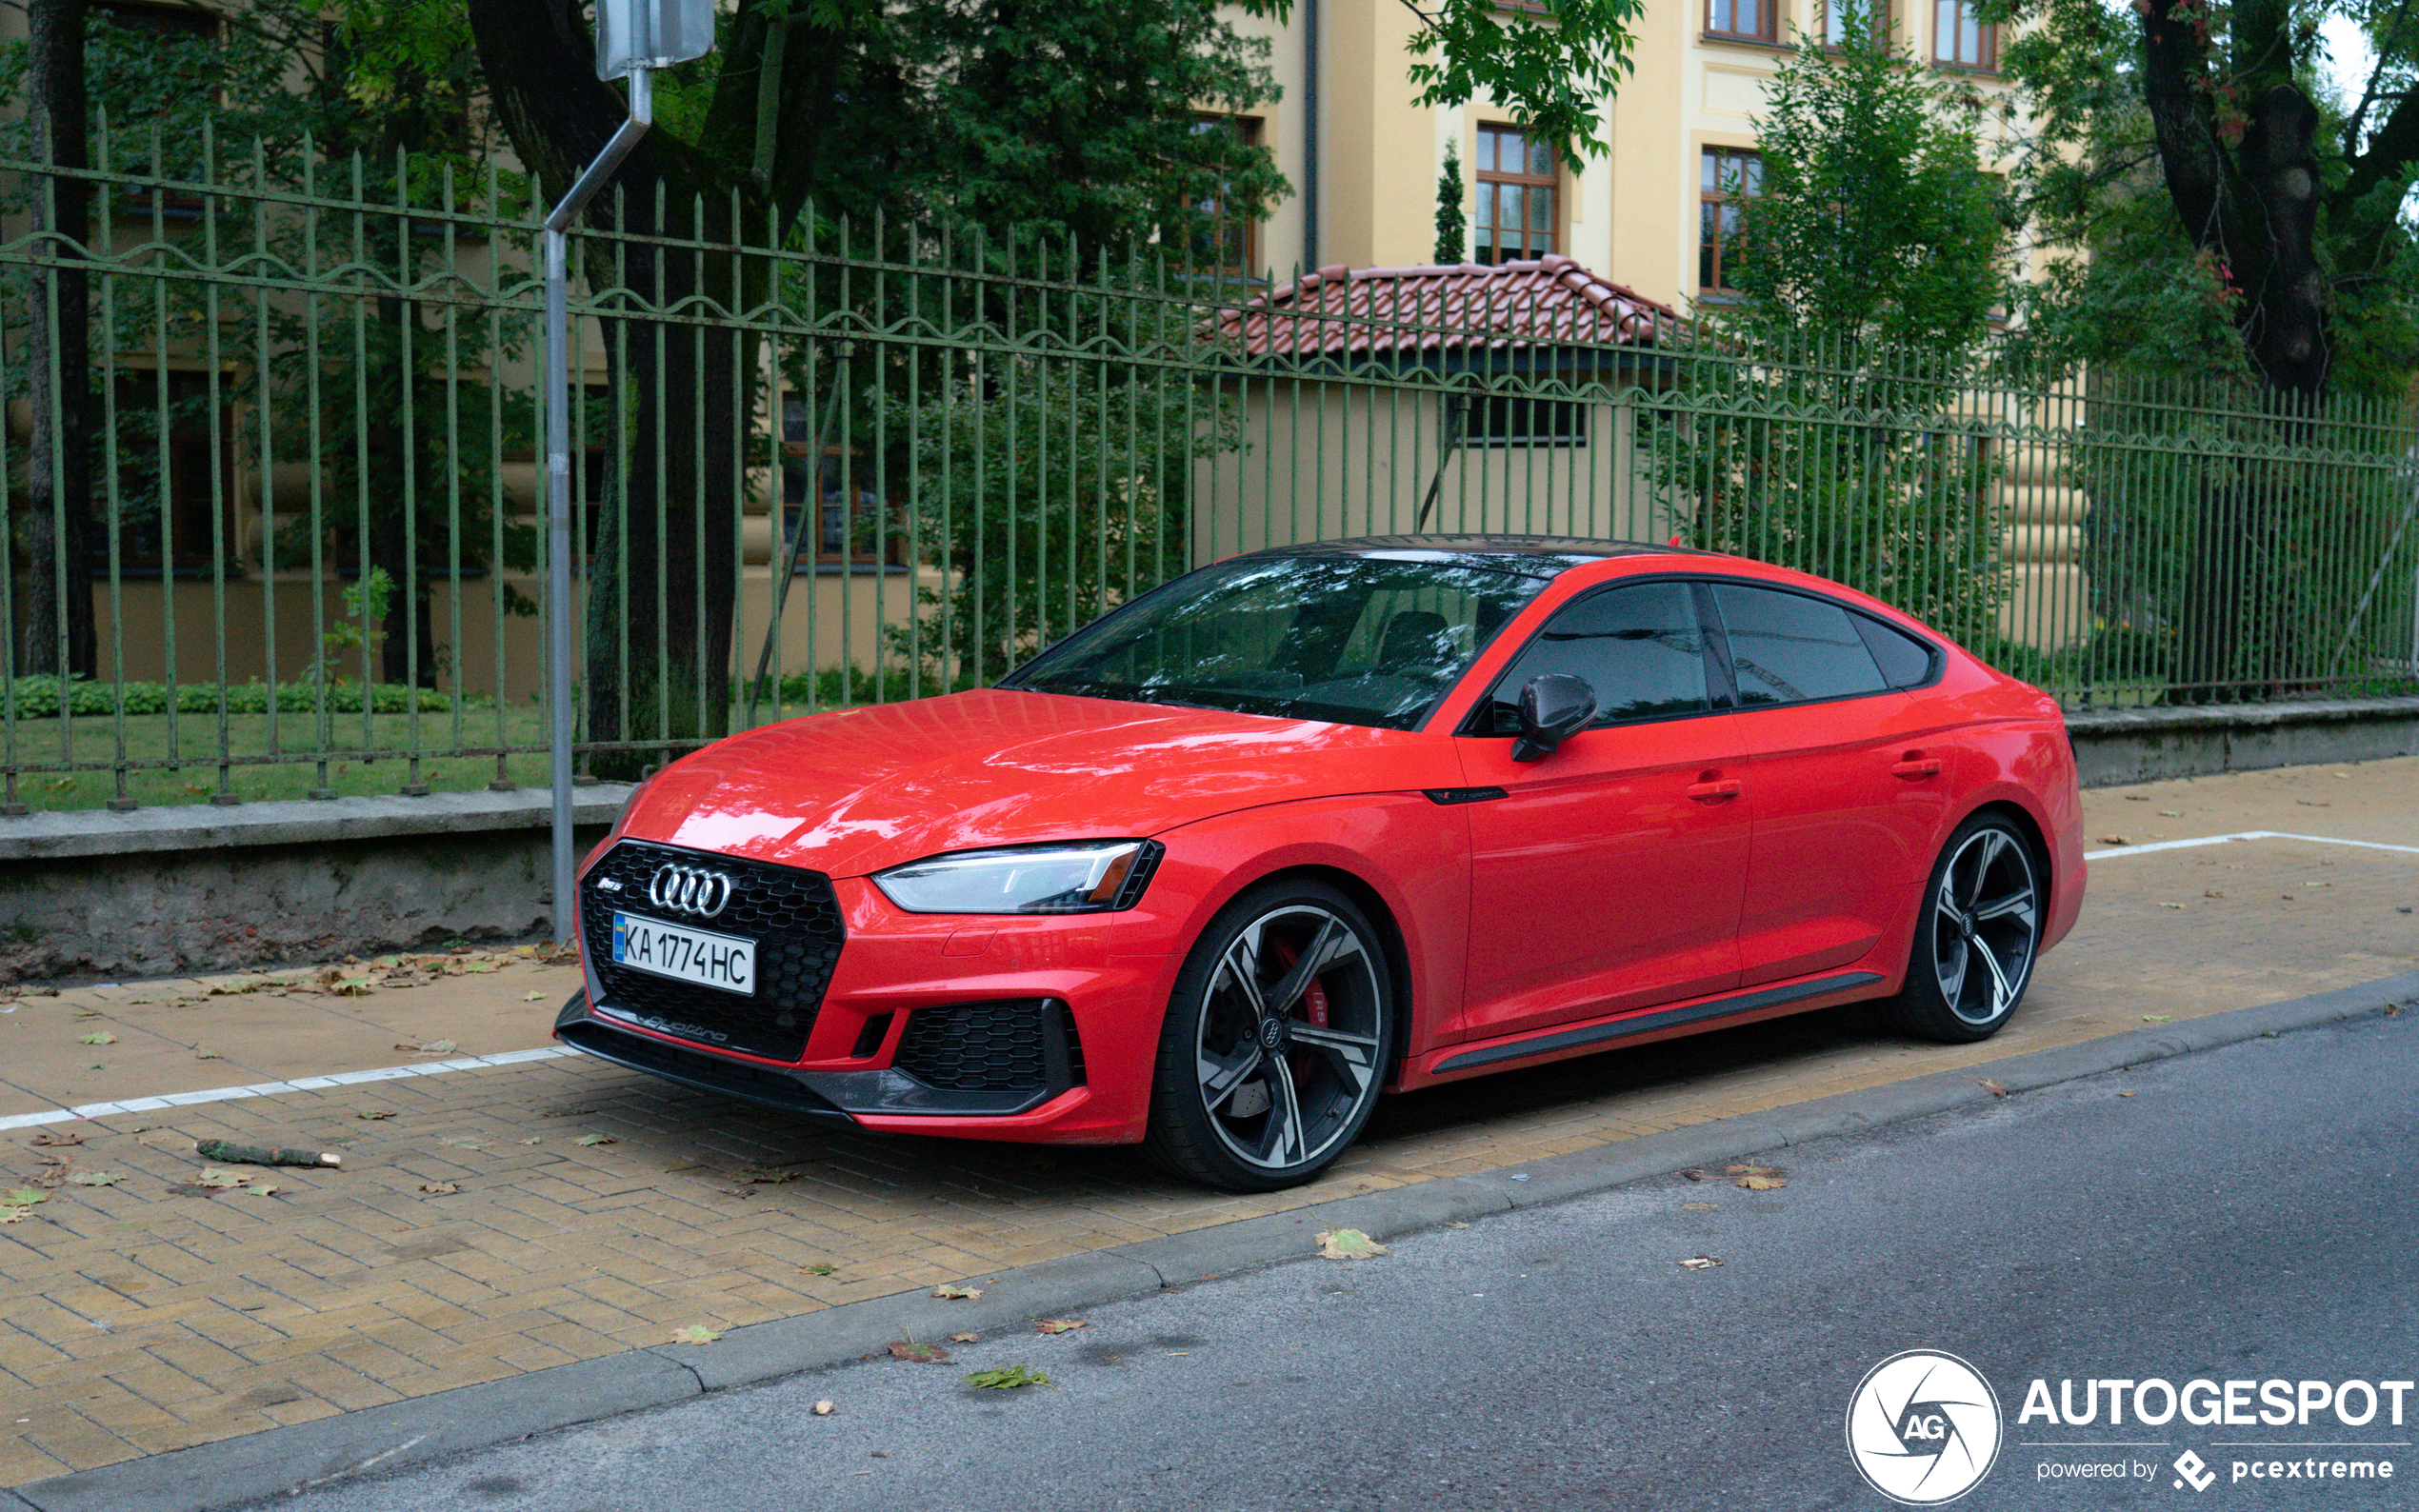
x=1084 y=876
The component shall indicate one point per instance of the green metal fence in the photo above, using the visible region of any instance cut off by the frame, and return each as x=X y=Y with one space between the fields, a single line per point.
x=850 y=463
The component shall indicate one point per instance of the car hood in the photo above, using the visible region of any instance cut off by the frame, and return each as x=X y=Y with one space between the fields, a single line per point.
x=855 y=790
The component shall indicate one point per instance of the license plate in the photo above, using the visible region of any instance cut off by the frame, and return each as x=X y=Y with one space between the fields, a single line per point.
x=723 y=962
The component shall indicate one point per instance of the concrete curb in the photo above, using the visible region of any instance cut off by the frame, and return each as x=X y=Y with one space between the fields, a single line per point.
x=237 y=1471
x=2116 y=746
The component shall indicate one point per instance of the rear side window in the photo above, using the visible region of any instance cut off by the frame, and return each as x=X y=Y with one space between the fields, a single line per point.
x=1906 y=662
x=1790 y=649
x=1641 y=648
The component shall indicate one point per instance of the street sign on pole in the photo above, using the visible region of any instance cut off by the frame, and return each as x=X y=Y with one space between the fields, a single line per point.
x=633 y=35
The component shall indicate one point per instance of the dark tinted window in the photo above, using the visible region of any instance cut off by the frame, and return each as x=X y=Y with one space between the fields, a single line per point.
x=1789 y=648
x=1641 y=648
x=1905 y=660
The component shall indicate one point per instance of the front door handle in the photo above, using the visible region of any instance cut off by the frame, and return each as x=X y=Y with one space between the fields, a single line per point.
x=1916 y=766
x=1714 y=792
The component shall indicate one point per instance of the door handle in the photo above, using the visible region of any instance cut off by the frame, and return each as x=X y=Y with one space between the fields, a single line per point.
x=1714 y=792
x=1916 y=766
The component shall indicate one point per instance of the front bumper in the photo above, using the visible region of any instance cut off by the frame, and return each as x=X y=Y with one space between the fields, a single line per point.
x=899 y=986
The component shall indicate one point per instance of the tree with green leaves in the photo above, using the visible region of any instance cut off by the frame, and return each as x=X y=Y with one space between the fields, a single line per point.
x=1452 y=216
x=2226 y=232
x=2194 y=147
x=1868 y=256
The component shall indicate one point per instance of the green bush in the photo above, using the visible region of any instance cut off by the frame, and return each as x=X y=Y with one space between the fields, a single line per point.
x=38 y=698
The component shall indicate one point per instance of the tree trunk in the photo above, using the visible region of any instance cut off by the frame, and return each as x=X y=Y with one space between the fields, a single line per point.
x=59 y=632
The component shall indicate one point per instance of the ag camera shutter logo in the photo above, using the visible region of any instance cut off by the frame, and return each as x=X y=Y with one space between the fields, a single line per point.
x=1923 y=1427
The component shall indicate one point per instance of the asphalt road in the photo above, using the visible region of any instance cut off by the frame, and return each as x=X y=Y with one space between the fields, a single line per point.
x=2245 y=1214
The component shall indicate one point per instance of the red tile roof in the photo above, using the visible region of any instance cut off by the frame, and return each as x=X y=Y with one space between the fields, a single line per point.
x=1436 y=308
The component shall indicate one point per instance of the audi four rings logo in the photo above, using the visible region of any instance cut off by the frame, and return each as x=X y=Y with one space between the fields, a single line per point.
x=690 y=889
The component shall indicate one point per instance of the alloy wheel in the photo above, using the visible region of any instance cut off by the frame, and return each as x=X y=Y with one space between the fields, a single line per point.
x=1286 y=1054
x=1986 y=926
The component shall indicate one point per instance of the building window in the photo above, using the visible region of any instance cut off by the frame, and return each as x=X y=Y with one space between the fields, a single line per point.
x=1744 y=20
x=1219 y=242
x=1517 y=420
x=1726 y=176
x=1960 y=41
x=1837 y=14
x=1519 y=184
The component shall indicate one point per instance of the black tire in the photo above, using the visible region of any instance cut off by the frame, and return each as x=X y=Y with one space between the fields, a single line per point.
x=1232 y=1063
x=1981 y=907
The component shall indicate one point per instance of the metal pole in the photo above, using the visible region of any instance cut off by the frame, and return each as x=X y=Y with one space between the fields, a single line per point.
x=559 y=475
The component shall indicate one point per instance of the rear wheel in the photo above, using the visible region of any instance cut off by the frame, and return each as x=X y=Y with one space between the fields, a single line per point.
x=1977 y=936
x=1274 y=1044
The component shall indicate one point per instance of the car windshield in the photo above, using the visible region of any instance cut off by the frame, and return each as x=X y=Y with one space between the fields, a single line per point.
x=1371 y=638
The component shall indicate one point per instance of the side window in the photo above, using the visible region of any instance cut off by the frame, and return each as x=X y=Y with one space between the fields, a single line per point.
x=1641 y=648
x=1904 y=661
x=1789 y=648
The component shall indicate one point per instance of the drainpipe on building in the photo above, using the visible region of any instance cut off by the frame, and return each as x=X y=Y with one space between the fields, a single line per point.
x=1310 y=134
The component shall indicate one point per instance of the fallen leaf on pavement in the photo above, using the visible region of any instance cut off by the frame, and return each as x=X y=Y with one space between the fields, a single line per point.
x=203 y=1052
x=1008 y=1378
x=591 y=1141
x=262 y=1189
x=374 y=1114
x=949 y=1293
x=1695 y=1175
x=823 y=1408
x=96 y=1178
x=2170 y=905
x=696 y=1334
x=1060 y=1326
x=2213 y=893
x=819 y=1270
x=2126 y=1094
x=1348 y=1244
x=15 y=1215
x=918 y=1354
x=99 y=1037
x=213 y=1176
x=1991 y=1087
x=2115 y=840
x=2156 y=1017
x=532 y=997
x=58 y=1137
x=24 y=1197
x=351 y=987
x=767 y=1176
x=1756 y=1178
x=1699 y=1263
x=441 y=1188
x=966 y=1338
x=2171 y=813
x=1457 y=1224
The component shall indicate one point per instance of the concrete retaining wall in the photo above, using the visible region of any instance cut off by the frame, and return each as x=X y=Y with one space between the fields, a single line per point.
x=2115 y=747
x=161 y=892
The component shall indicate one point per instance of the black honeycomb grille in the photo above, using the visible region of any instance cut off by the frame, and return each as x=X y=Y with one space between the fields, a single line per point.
x=1014 y=1044
x=790 y=914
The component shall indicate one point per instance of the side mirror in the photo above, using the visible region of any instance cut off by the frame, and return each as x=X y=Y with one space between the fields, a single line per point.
x=1553 y=707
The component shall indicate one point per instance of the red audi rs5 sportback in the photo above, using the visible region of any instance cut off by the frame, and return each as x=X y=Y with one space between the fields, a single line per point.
x=1326 y=821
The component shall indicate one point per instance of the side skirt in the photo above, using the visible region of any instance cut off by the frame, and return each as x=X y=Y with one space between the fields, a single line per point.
x=1653 y=1022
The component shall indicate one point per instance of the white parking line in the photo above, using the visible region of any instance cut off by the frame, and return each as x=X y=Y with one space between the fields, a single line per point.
x=2247 y=834
x=300 y=1083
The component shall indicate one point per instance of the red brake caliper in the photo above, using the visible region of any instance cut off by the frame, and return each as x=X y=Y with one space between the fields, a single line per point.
x=1313 y=996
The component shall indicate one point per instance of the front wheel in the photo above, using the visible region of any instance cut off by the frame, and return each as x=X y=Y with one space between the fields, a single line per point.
x=1976 y=935
x=1276 y=1042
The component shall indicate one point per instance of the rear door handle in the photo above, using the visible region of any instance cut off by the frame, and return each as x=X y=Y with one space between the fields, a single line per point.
x=1916 y=768
x=1714 y=792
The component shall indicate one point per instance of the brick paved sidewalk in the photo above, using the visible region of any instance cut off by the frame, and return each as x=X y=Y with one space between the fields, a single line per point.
x=500 y=1220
